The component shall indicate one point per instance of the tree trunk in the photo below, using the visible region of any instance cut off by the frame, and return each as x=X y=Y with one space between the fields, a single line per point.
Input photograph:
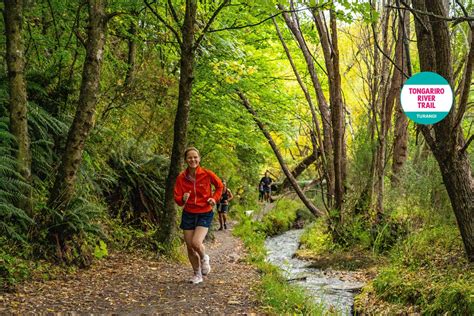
x=283 y=165
x=322 y=103
x=63 y=189
x=338 y=118
x=13 y=16
x=447 y=143
x=400 y=143
x=329 y=44
x=188 y=48
x=386 y=120
x=400 y=137
x=313 y=157
x=168 y=223
x=379 y=91
x=302 y=166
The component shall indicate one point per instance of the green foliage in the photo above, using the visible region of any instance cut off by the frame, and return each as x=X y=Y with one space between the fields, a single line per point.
x=281 y=217
x=12 y=269
x=456 y=298
x=283 y=299
x=14 y=222
x=275 y=293
x=430 y=271
x=421 y=191
x=44 y=128
x=100 y=250
x=394 y=287
x=359 y=231
x=126 y=237
x=69 y=236
x=428 y=247
x=79 y=217
x=316 y=238
x=135 y=193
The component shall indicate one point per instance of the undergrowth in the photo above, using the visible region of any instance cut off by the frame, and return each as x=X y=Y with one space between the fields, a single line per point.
x=274 y=292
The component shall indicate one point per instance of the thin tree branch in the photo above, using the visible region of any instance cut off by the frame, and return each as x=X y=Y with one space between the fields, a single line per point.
x=173 y=13
x=316 y=211
x=407 y=7
x=110 y=16
x=255 y=24
x=466 y=83
x=176 y=34
x=56 y=32
x=462 y=8
x=76 y=25
x=80 y=38
x=213 y=17
x=456 y=20
x=464 y=148
x=382 y=51
x=428 y=137
x=406 y=45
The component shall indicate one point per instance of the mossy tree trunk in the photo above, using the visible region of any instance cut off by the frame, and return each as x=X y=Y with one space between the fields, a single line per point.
x=64 y=184
x=13 y=16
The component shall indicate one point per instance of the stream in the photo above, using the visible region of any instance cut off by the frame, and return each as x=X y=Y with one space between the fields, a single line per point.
x=332 y=293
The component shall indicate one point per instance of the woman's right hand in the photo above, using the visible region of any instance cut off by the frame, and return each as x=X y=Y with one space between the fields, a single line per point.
x=186 y=196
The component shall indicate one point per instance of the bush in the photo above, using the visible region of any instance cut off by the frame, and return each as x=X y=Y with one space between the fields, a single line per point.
x=316 y=238
x=430 y=248
x=395 y=287
x=281 y=217
x=359 y=231
x=12 y=270
x=456 y=298
x=429 y=270
x=135 y=189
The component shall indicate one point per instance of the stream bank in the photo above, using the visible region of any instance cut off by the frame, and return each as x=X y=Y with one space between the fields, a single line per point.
x=333 y=289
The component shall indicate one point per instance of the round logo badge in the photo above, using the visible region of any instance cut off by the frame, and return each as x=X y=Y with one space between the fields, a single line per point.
x=426 y=98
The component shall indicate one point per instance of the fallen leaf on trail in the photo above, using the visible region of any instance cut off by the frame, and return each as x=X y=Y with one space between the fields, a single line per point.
x=126 y=283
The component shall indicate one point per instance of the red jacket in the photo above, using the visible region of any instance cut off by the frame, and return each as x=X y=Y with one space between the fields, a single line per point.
x=200 y=190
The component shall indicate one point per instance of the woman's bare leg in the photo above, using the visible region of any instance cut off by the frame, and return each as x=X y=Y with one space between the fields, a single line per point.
x=197 y=241
x=192 y=254
x=220 y=220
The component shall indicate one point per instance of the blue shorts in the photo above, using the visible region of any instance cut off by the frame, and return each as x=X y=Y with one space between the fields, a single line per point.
x=189 y=221
x=223 y=208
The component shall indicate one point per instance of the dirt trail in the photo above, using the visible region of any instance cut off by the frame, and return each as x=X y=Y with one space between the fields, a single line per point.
x=129 y=285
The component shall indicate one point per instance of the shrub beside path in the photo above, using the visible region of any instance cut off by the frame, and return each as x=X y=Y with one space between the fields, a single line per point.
x=130 y=284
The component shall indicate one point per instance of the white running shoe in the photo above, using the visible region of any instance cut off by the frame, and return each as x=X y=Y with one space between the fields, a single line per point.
x=205 y=266
x=196 y=279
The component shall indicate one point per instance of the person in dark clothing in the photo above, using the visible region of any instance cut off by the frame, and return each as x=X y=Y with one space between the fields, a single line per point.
x=260 y=192
x=223 y=206
x=266 y=181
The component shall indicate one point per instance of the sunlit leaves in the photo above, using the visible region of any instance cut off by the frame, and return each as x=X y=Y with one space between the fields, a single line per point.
x=232 y=71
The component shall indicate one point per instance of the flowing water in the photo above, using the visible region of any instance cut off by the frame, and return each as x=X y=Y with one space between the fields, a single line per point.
x=333 y=293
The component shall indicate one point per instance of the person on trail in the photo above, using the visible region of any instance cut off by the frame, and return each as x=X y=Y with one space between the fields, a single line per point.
x=193 y=192
x=260 y=192
x=266 y=181
x=223 y=206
